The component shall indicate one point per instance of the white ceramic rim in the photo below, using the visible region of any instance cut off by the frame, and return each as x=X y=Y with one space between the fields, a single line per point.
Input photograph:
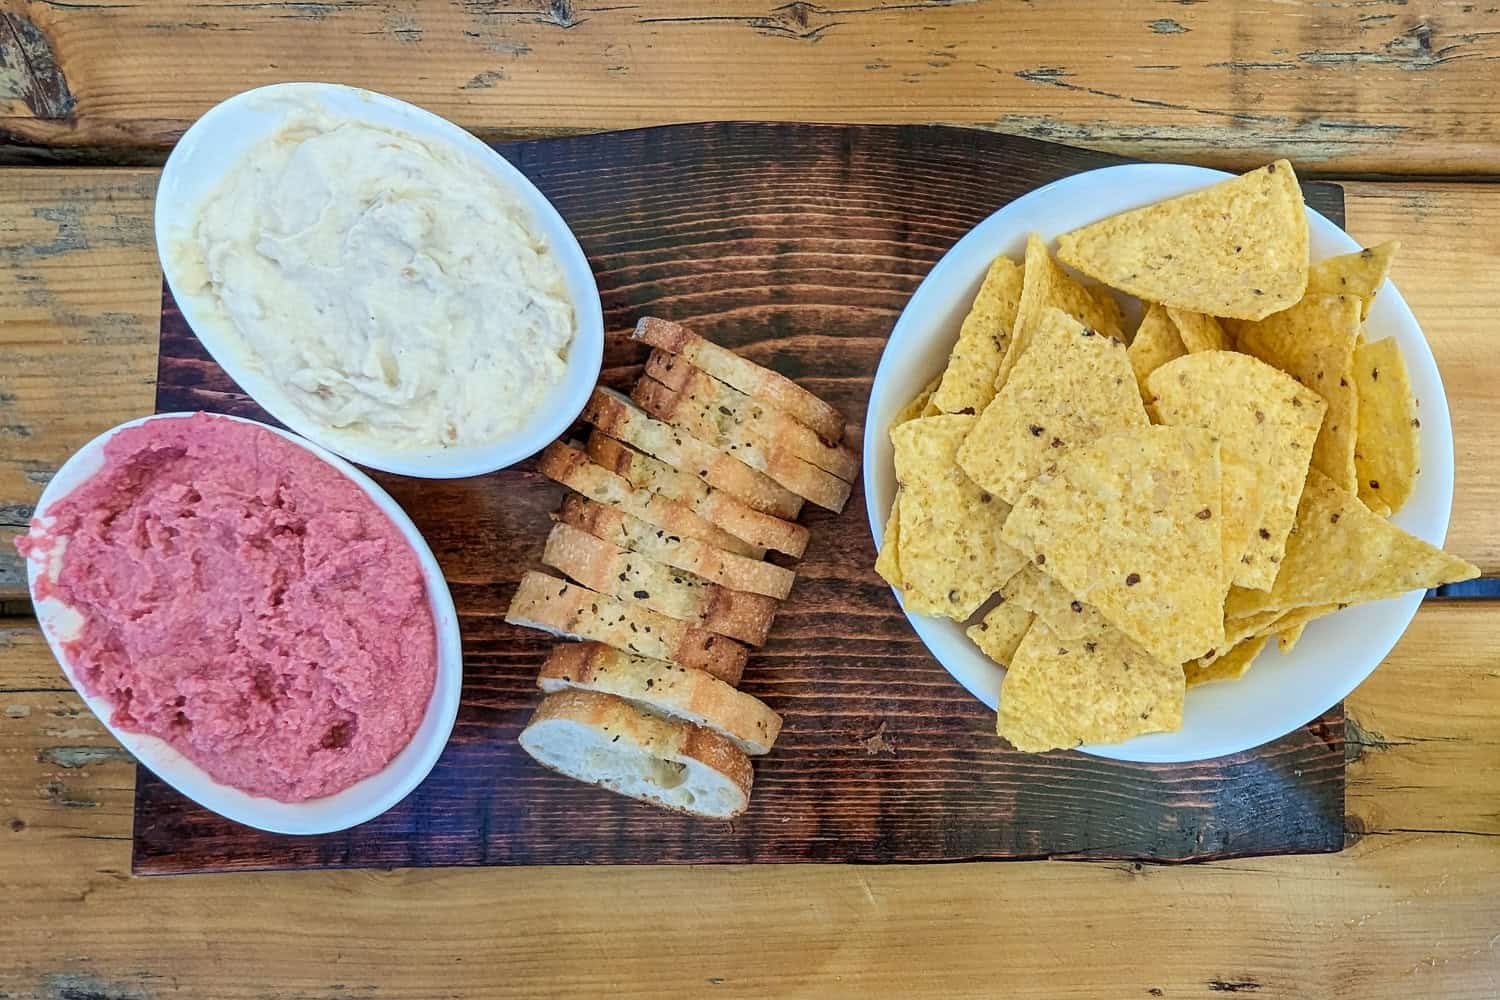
x=1342 y=649
x=356 y=804
x=214 y=142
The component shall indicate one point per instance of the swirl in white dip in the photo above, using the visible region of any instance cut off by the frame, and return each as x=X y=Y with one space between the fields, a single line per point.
x=393 y=288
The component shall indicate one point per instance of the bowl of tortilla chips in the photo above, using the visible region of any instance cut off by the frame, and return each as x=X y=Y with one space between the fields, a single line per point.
x=1158 y=463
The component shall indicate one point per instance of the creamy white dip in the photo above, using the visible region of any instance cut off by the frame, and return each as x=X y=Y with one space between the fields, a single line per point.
x=392 y=287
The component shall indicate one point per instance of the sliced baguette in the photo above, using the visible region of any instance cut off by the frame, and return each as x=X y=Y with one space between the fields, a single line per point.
x=570 y=611
x=714 y=398
x=676 y=593
x=744 y=375
x=621 y=419
x=715 y=506
x=679 y=552
x=606 y=741
x=666 y=689
x=568 y=465
x=721 y=432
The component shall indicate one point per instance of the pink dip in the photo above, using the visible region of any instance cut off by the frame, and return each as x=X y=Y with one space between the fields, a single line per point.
x=246 y=603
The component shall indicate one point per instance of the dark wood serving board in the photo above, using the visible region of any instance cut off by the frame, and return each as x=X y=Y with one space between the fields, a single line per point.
x=798 y=246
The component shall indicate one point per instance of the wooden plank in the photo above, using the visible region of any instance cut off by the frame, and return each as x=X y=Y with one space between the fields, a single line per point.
x=1379 y=85
x=1450 y=235
x=79 y=291
x=798 y=246
x=1398 y=914
x=79 y=297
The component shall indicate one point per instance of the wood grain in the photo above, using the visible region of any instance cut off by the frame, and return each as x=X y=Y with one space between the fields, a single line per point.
x=1398 y=914
x=1376 y=85
x=798 y=246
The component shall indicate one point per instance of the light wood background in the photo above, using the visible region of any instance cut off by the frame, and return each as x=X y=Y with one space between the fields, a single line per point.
x=1399 y=100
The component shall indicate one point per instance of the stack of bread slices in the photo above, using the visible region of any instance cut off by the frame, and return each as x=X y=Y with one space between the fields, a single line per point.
x=659 y=554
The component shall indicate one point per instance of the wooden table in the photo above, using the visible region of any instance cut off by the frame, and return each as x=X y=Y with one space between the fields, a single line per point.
x=1399 y=100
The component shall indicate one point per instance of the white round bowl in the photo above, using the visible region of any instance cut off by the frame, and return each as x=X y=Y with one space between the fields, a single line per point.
x=214 y=145
x=359 y=802
x=1281 y=692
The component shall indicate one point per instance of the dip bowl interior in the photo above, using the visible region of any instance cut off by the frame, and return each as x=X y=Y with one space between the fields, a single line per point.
x=359 y=802
x=1281 y=692
x=218 y=141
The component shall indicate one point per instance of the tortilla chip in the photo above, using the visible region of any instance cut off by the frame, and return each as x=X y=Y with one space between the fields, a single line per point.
x=1071 y=385
x=888 y=561
x=1238 y=248
x=918 y=406
x=1340 y=552
x=1199 y=332
x=952 y=558
x=1047 y=286
x=1064 y=693
x=1286 y=639
x=1267 y=424
x=1050 y=601
x=1388 y=446
x=1244 y=508
x=1131 y=523
x=1360 y=274
x=1156 y=342
x=998 y=634
x=1294 y=621
x=1237 y=630
x=969 y=383
x=1229 y=667
x=1314 y=343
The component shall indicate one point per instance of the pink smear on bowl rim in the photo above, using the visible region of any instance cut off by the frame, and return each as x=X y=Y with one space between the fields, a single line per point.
x=245 y=602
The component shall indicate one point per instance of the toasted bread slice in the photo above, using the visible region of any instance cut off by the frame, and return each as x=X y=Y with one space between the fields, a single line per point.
x=621 y=419
x=606 y=741
x=568 y=465
x=570 y=611
x=666 y=689
x=717 y=399
x=800 y=476
x=632 y=576
x=714 y=506
x=680 y=552
x=744 y=375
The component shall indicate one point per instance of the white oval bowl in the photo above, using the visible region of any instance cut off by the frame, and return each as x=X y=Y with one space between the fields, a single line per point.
x=215 y=144
x=1281 y=692
x=361 y=801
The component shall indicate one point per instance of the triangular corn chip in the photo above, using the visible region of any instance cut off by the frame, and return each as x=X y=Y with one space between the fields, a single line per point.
x=1267 y=423
x=1047 y=286
x=888 y=561
x=998 y=634
x=1199 y=332
x=1287 y=639
x=1131 y=523
x=1229 y=667
x=1050 y=601
x=1388 y=446
x=918 y=406
x=1061 y=693
x=1156 y=342
x=1340 y=552
x=1360 y=274
x=1314 y=343
x=951 y=555
x=1071 y=385
x=969 y=382
x=1238 y=248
